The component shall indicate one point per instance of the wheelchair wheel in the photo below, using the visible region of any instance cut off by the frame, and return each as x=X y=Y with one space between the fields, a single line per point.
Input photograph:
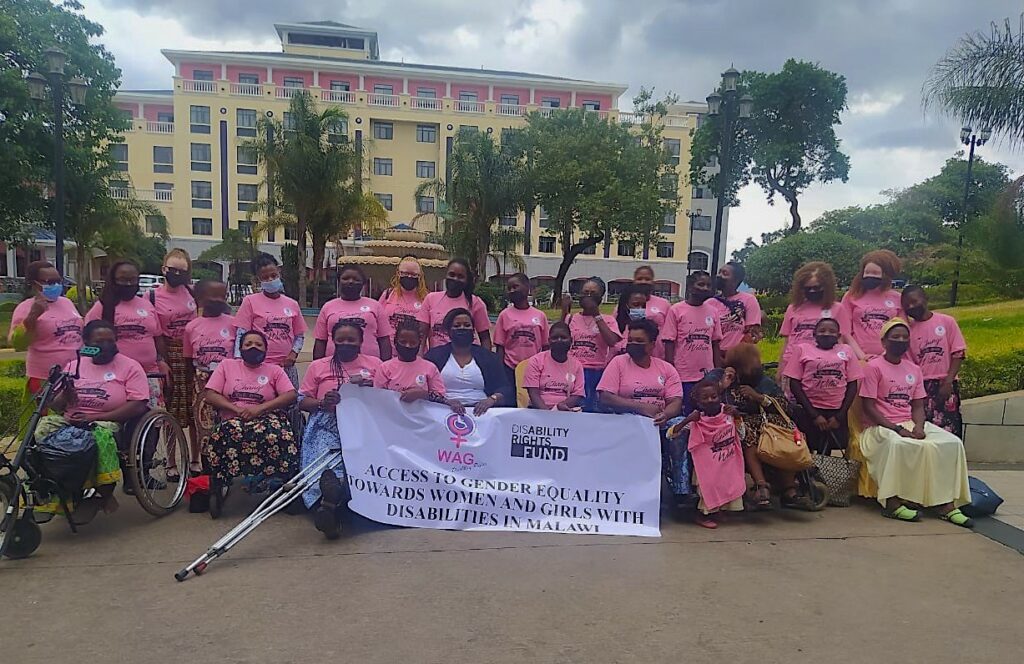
x=297 y=420
x=23 y=535
x=157 y=443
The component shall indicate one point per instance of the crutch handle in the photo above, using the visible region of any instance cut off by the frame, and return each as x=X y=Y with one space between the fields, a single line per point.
x=182 y=575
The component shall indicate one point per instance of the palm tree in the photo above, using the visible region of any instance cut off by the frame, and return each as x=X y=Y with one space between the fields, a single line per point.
x=507 y=240
x=486 y=183
x=238 y=249
x=980 y=81
x=354 y=209
x=308 y=168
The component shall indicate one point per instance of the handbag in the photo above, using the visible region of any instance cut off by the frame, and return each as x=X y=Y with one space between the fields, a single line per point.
x=984 y=501
x=782 y=447
x=840 y=474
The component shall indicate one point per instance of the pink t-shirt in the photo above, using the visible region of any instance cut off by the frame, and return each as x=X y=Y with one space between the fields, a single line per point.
x=735 y=314
x=278 y=318
x=321 y=376
x=137 y=329
x=246 y=386
x=692 y=329
x=933 y=342
x=406 y=305
x=868 y=313
x=893 y=387
x=399 y=376
x=657 y=311
x=798 y=325
x=103 y=387
x=521 y=332
x=655 y=384
x=58 y=335
x=824 y=373
x=717 y=459
x=209 y=340
x=556 y=381
x=364 y=312
x=588 y=346
x=437 y=305
x=174 y=309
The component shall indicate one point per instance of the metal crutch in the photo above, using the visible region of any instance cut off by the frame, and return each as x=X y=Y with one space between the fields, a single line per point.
x=274 y=503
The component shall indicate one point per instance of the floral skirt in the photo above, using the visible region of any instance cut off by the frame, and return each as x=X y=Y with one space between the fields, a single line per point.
x=262 y=447
x=179 y=397
x=944 y=413
x=321 y=435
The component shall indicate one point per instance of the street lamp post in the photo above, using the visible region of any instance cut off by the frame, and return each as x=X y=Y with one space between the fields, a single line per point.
x=968 y=138
x=732 y=107
x=689 y=247
x=37 y=84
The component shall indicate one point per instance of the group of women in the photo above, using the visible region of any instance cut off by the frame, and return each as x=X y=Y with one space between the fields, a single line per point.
x=858 y=365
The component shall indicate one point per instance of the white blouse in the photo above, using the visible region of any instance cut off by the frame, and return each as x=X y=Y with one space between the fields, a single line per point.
x=463 y=384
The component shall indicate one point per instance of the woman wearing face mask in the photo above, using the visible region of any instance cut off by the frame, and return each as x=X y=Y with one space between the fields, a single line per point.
x=693 y=334
x=139 y=335
x=47 y=323
x=812 y=298
x=350 y=305
x=254 y=436
x=207 y=341
x=319 y=395
x=408 y=373
x=871 y=301
x=457 y=294
x=594 y=335
x=274 y=314
x=110 y=390
x=937 y=346
x=554 y=378
x=638 y=383
x=403 y=300
x=175 y=307
x=738 y=313
x=657 y=307
x=472 y=375
x=632 y=305
x=824 y=380
x=915 y=463
x=521 y=330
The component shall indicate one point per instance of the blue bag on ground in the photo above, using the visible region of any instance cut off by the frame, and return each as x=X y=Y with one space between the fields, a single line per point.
x=984 y=501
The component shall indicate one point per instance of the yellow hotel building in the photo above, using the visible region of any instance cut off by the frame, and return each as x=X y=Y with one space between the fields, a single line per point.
x=183 y=151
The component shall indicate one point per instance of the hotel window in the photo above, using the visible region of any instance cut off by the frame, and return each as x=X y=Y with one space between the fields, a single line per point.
x=627 y=248
x=510 y=100
x=245 y=118
x=666 y=250
x=591 y=106
x=426 y=134
x=546 y=245
x=550 y=102
x=542 y=218
x=247 y=196
x=340 y=86
x=163 y=159
x=294 y=82
x=337 y=131
x=697 y=260
x=426 y=169
x=201 y=157
x=426 y=93
x=424 y=203
x=246 y=161
x=670 y=184
x=701 y=223
x=202 y=75
x=385 y=200
x=383 y=89
x=247 y=227
x=382 y=166
x=291 y=234
x=249 y=79
x=199 y=117
x=202 y=226
x=289 y=122
x=155 y=223
x=467 y=95
x=164 y=191
x=165 y=116
x=672 y=147
x=668 y=222
x=119 y=155
x=508 y=220
x=202 y=194
x=384 y=131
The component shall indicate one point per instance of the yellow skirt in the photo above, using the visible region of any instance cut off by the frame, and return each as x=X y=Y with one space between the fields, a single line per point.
x=928 y=472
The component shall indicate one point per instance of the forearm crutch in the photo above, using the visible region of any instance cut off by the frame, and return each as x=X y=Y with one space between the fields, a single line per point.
x=274 y=503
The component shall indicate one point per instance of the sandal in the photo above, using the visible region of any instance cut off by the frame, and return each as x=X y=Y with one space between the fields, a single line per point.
x=763 y=496
x=172 y=475
x=902 y=513
x=705 y=521
x=958 y=518
x=797 y=501
x=195 y=469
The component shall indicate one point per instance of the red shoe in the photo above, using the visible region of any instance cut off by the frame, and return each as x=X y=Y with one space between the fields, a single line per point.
x=705 y=521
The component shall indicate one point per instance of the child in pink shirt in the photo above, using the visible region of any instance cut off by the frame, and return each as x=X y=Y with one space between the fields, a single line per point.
x=693 y=333
x=409 y=373
x=350 y=305
x=553 y=378
x=457 y=294
x=521 y=330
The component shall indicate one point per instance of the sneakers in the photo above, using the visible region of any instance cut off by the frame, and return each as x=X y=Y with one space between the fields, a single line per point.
x=326 y=517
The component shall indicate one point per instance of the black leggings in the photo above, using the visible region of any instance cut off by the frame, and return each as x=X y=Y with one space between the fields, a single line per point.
x=818 y=440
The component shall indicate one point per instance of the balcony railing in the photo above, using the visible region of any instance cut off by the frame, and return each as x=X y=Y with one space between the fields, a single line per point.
x=151 y=195
x=546 y=111
x=462 y=106
x=247 y=89
x=288 y=92
x=511 y=110
x=630 y=118
x=206 y=87
x=375 y=99
x=338 y=96
x=426 y=103
x=159 y=127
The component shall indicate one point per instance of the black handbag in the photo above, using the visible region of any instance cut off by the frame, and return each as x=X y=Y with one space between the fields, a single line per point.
x=984 y=501
x=68 y=458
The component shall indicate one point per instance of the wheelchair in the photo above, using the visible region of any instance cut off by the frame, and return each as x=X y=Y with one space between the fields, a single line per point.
x=147 y=447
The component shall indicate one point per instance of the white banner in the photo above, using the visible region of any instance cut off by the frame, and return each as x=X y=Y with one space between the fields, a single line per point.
x=421 y=465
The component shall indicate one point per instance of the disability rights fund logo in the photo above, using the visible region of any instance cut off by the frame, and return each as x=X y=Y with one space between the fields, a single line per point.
x=530 y=441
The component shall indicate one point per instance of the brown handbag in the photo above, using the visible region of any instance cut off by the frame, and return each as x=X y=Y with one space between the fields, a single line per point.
x=782 y=447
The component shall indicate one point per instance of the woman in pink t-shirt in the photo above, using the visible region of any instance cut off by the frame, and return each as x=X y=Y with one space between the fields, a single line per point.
x=254 y=437
x=639 y=383
x=657 y=306
x=632 y=306
x=521 y=330
x=738 y=313
x=408 y=373
x=812 y=298
x=403 y=300
x=915 y=463
x=693 y=333
x=175 y=307
x=594 y=335
x=554 y=379
x=350 y=305
x=457 y=294
x=871 y=301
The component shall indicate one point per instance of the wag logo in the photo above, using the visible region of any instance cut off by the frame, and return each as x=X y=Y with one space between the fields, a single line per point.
x=461 y=427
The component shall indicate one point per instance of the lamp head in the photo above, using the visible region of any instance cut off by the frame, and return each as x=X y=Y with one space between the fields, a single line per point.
x=714 y=103
x=55 y=60
x=965 y=135
x=36 y=86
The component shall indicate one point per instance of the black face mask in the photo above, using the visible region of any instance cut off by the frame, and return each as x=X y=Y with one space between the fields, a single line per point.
x=826 y=341
x=346 y=352
x=917 y=313
x=722 y=284
x=406 y=353
x=461 y=338
x=351 y=291
x=516 y=297
x=897 y=348
x=814 y=294
x=253 y=356
x=699 y=296
x=560 y=349
x=125 y=292
x=636 y=351
x=108 y=349
x=712 y=409
x=871 y=283
x=409 y=283
x=176 y=280
x=646 y=289
x=215 y=308
x=454 y=288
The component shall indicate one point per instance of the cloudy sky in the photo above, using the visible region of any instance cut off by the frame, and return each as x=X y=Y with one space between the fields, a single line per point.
x=883 y=47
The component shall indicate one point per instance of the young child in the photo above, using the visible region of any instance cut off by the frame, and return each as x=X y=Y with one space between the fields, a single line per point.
x=409 y=373
x=521 y=331
x=714 y=446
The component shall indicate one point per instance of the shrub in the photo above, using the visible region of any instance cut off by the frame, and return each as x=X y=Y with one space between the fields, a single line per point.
x=771 y=267
x=12 y=368
x=992 y=374
x=12 y=391
x=491 y=294
x=8 y=306
x=542 y=296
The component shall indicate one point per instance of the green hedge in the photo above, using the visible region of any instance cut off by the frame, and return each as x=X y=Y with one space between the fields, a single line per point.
x=12 y=369
x=8 y=306
x=992 y=374
x=12 y=391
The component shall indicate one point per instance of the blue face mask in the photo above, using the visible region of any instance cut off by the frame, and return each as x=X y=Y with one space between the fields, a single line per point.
x=52 y=291
x=272 y=286
x=637 y=314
